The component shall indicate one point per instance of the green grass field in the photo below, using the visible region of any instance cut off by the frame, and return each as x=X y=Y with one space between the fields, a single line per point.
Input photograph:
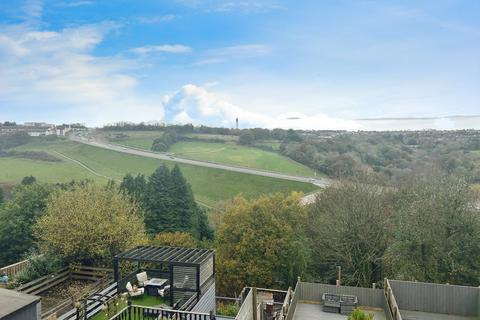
x=210 y=186
x=224 y=153
x=233 y=154
x=136 y=139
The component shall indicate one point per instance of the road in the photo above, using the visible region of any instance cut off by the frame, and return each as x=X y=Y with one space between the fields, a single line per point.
x=162 y=156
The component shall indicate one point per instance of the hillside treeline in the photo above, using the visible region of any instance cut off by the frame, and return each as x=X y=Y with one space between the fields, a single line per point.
x=392 y=155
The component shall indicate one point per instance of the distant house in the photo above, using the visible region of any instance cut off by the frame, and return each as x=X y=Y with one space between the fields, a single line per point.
x=19 y=306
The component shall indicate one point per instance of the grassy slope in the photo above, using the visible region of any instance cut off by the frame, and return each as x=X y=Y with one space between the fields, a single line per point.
x=209 y=185
x=239 y=155
x=225 y=153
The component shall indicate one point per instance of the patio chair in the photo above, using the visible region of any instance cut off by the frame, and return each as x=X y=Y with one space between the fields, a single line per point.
x=134 y=293
x=165 y=291
x=142 y=278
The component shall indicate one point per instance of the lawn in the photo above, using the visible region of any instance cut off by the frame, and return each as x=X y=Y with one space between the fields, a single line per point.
x=233 y=154
x=210 y=186
x=145 y=300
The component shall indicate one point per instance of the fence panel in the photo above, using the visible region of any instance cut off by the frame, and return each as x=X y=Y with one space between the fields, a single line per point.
x=246 y=310
x=436 y=298
x=293 y=303
x=366 y=296
x=13 y=269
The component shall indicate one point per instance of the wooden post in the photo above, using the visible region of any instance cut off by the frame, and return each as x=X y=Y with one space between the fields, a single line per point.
x=254 y=298
x=339 y=276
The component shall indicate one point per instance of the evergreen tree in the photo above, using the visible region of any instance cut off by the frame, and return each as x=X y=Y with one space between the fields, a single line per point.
x=183 y=201
x=158 y=203
x=169 y=204
x=133 y=187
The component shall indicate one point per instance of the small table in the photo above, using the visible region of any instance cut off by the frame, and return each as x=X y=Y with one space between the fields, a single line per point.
x=153 y=285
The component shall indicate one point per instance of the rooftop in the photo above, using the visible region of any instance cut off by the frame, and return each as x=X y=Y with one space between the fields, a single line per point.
x=11 y=301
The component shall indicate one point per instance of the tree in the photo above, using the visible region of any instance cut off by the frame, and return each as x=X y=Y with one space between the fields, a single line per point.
x=342 y=166
x=170 y=206
x=436 y=237
x=261 y=243
x=175 y=239
x=347 y=227
x=28 y=180
x=89 y=224
x=2 y=196
x=246 y=138
x=133 y=187
x=158 y=204
x=17 y=218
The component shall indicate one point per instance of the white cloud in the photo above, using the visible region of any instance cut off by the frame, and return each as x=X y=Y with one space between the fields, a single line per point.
x=73 y=4
x=242 y=51
x=33 y=9
x=55 y=74
x=221 y=6
x=194 y=104
x=156 y=19
x=225 y=54
x=209 y=61
x=168 y=48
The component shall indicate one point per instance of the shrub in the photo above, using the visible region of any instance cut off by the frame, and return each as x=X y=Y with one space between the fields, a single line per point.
x=175 y=239
x=40 y=265
x=229 y=310
x=360 y=315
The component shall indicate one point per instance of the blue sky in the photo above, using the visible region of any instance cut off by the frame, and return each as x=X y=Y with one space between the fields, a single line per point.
x=325 y=63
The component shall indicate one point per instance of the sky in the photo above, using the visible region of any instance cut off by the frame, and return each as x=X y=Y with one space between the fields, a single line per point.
x=271 y=63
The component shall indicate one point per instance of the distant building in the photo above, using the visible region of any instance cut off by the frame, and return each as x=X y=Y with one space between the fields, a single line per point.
x=38 y=124
x=37 y=129
x=19 y=306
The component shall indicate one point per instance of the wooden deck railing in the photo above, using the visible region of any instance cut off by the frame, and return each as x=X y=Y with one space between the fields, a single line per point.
x=135 y=312
x=392 y=303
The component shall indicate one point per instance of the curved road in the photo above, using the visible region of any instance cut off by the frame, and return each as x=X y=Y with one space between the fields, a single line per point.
x=143 y=153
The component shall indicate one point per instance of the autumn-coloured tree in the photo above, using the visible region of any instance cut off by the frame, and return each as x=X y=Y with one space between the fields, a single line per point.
x=175 y=239
x=89 y=224
x=260 y=243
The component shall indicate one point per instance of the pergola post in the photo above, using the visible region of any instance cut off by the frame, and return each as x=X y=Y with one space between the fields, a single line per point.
x=198 y=282
x=116 y=275
x=170 y=268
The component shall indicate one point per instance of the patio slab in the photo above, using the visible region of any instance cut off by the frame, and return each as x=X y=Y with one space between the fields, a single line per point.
x=313 y=311
x=417 y=315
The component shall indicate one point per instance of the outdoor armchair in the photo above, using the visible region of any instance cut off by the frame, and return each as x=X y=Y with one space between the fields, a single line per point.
x=132 y=292
x=142 y=278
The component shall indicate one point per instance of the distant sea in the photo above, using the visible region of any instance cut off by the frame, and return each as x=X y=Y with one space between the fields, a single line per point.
x=438 y=123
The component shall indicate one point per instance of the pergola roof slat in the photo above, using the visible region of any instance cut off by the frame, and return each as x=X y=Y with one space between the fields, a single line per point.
x=169 y=255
